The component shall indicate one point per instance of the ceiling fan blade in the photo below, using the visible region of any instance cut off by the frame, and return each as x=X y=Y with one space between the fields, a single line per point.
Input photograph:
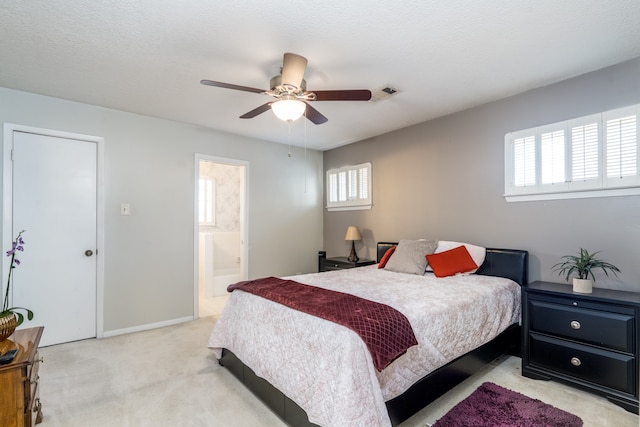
x=314 y=115
x=343 y=95
x=261 y=109
x=293 y=67
x=230 y=86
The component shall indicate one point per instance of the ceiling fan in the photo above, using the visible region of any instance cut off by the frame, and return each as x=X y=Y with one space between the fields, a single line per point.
x=290 y=92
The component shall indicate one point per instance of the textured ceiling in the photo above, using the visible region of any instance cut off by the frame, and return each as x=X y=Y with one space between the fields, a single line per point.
x=148 y=56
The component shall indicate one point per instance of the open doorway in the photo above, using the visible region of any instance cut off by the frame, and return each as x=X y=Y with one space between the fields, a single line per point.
x=221 y=256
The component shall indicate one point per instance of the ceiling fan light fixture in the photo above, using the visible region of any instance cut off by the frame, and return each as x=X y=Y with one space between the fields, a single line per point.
x=288 y=110
x=290 y=91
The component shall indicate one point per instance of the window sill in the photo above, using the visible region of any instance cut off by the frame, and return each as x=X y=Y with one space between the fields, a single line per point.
x=586 y=194
x=348 y=208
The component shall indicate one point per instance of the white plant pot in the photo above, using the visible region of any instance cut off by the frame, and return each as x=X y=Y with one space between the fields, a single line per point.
x=583 y=286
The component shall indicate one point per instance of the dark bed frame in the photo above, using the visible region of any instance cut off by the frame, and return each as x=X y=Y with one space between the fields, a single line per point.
x=509 y=263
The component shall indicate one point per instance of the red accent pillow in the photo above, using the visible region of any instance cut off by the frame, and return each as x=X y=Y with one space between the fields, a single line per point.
x=453 y=261
x=386 y=256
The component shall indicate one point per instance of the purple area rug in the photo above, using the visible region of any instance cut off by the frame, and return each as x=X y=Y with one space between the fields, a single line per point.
x=493 y=406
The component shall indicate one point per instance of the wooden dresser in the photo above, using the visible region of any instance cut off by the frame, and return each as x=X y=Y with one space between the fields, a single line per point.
x=19 y=402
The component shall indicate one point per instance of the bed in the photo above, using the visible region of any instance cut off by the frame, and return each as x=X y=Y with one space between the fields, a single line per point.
x=328 y=377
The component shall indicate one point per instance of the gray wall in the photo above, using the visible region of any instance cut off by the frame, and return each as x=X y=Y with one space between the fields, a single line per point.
x=149 y=163
x=444 y=179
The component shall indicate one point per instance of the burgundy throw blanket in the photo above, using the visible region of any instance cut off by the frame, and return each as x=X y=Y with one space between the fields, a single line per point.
x=386 y=332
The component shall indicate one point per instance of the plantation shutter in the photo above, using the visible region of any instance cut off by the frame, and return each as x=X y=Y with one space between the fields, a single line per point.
x=584 y=152
x=552 y=157
x=621 y=148
x=524 y=161
x=363 y=179
x=349 y=187
x=342 y=186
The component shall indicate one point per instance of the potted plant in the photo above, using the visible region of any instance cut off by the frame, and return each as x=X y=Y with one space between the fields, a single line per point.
x=11 y=317
x=582 y=265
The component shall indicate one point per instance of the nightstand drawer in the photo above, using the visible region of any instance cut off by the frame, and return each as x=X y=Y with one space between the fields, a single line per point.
x=330 y=266
x=605 y=368
x=603 y=328
x=339 y=263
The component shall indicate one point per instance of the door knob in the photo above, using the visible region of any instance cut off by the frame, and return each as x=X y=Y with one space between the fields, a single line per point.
x=88 y=252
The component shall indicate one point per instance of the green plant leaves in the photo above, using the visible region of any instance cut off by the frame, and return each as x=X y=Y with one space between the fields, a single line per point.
x=583 y=264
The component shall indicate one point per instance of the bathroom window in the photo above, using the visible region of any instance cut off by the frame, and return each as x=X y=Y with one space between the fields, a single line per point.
x=207 y=201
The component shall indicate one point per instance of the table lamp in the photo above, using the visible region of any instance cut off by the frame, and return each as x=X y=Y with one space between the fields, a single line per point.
x=353 y=234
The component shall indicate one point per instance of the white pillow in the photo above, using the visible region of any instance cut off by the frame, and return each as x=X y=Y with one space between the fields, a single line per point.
x=477 y=253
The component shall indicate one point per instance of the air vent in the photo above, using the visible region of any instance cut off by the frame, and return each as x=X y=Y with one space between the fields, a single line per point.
x=383 y=93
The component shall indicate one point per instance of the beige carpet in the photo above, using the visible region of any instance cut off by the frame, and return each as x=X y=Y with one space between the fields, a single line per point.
x=167 y=377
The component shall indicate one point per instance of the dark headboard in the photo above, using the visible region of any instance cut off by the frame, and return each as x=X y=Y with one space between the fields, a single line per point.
x=383 y=247
x=510 y=263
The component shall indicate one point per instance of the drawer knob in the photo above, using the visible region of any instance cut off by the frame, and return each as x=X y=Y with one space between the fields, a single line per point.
x=575 y=324
x=575 y=361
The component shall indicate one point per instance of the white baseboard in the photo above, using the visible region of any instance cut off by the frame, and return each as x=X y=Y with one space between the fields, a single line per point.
x=146 y=327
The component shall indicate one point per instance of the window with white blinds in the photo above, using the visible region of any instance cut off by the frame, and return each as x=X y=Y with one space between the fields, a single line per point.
x=591 y=156
x=525 y=161
x=349 y=187
x=552 y=157
x=584 y=152
x=622 y=147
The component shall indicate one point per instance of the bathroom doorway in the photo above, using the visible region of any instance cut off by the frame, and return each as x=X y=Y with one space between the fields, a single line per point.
x=220 y=243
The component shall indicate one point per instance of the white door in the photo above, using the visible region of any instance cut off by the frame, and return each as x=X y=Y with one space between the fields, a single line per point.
x=55 y=201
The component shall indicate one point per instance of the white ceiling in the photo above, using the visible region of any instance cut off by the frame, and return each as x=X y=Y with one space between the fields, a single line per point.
x=148 y=56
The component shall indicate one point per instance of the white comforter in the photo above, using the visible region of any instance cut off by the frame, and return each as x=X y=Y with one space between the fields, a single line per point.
x=334 y=379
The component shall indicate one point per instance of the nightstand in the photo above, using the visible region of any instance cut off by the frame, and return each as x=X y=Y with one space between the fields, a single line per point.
x=585 y=340
x=339 y=263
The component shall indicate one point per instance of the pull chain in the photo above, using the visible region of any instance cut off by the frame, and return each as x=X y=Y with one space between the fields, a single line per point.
x=305 y=151
x=289 y=123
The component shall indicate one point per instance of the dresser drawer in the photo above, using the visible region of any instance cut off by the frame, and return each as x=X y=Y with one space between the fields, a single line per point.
x=34 y=368
x=33 y=412
x=31 y=379
x=605 y=368
x=599 y=327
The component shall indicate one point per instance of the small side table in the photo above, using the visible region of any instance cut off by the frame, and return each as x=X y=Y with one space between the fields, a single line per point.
x=19 y=388
x=339 y=263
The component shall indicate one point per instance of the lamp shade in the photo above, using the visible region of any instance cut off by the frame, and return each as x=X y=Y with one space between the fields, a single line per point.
x=353 y=233
x=288 y=110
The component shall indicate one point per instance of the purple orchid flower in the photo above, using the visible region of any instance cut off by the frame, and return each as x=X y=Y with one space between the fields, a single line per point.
x=6 y=310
